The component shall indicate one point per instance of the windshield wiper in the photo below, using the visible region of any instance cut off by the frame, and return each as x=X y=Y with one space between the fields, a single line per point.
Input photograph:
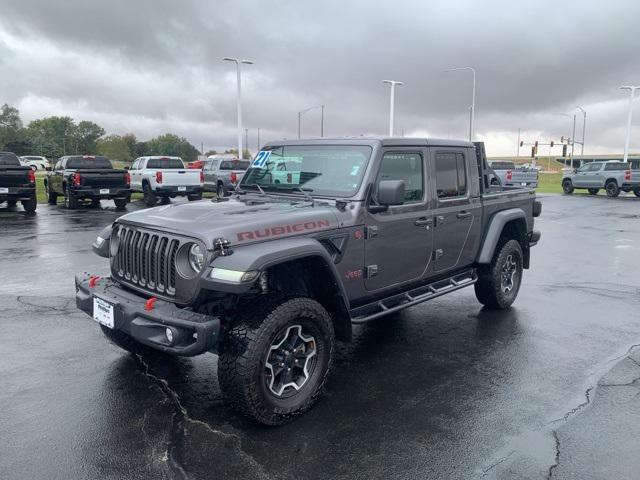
x=304 y=191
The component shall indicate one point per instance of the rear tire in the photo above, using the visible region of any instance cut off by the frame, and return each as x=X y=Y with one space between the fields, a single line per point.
x=612 y=188
x=567 y=187
x=121 y=203
x=274 y=344
x=165 y=201
x=499 y=282
x=30 y=205
x=12 y=203
x=636 y=192
x=194 y=198
x=70 y=200
x=593 y=191
x=149 y=195
x=220 y=190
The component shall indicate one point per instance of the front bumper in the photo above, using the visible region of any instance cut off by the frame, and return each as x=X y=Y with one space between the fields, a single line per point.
x=176 y=192
x=534 y=238
x=194 y=333
x=111 y=192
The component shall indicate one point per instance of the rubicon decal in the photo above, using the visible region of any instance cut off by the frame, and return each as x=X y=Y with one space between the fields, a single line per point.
x=283 y=230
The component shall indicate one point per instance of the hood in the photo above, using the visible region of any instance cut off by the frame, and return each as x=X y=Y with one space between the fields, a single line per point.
x=237 y=221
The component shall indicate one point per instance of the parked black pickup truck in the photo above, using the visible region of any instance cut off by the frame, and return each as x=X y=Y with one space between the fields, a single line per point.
x=17 y=182
x=86 y=177
x=270 y=277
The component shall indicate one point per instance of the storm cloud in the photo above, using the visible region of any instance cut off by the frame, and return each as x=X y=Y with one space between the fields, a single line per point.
x=150 y=67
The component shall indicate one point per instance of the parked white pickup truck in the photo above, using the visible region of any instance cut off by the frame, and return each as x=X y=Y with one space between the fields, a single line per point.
x=510 y=175
x=165 y=178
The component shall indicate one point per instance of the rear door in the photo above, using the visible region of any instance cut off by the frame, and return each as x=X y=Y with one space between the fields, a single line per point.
x=399 y=240
x=210 y=175
x=458 y=208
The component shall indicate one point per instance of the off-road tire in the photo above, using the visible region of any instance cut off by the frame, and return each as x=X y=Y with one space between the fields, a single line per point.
x=612 y=189
x=636 y=192
x=121 y=203
x=70 y=200
x=245 y=349
x=567 y=187
x=149 y=195
x=52 y=198
x=593 y=191
x=489 y=288
x=30 y=205
x=128 y=343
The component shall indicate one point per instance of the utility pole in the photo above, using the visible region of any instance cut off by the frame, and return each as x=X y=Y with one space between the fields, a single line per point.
x=392 y=99
x=632 y=91
x=473 y=98
x=584 y=126
x=246 y=140
x=239 y=97
x=258 y=149
x=302 y=112
x=518 y=152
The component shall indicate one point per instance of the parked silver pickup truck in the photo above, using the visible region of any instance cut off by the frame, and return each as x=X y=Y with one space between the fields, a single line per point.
x=221 y=174
x=613 y=176
x=510 y=175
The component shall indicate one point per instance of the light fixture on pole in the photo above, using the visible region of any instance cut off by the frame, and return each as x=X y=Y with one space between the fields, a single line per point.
x=632 y=91
x=239 y=97
x=392 y=100
x=473 y=98
x=584 y=126
x=302 y=112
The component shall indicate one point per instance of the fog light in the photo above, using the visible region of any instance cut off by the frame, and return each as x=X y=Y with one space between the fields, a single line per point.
x=169 y=333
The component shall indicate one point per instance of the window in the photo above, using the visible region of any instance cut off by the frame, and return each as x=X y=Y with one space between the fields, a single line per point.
x=593 y=167
x=616 y=166
x=451 y=175
x=135 y=164
x=234 y=164
x=88 y=162
x=165 y=163
x=407 y=167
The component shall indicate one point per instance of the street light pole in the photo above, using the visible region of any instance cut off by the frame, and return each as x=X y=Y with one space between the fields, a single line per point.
x=584 y=126
x=473 y=99
x=518 y=152
x=322 y=121
x=258 y=139
x=632 y=91
x=392 y=100
x=239 y=98
x=302 y=112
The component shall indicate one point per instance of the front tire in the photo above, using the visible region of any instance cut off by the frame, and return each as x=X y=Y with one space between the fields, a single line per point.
x=499 y=282
x=593 y=191
x=567 y=187
x=276 y=359
x=636 y=192
x=612 y=189
x=220 y=191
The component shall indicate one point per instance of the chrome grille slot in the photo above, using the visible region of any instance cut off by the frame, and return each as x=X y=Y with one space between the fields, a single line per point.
x=146 y=259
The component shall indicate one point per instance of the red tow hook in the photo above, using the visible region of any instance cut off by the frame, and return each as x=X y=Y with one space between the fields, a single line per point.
x=148 y=305
x=92 y=280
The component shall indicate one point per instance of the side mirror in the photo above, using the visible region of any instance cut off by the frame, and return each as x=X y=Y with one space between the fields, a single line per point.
x=127 y=168
x=575 y=170
x=48 y=169
x=390 y=192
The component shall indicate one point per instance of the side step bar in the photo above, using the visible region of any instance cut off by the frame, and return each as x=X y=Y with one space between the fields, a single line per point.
x=412 y=297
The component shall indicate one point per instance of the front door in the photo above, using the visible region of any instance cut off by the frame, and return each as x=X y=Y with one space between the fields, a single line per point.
x=135 y=175
x=594 y=175
x=581 y=177
x=399 y=240
x=457 y=213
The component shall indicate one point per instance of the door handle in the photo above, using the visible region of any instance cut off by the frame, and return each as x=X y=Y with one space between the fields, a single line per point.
x=423 y=221
x=463 y=215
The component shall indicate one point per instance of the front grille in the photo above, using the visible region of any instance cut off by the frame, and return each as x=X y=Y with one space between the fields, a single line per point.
x=146 y=259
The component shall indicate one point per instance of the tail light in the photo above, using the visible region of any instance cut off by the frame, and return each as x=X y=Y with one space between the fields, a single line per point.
x=75 y=179
x=31 y=176
x=233 y=177
x=509 y=175
x=127 y=178
x=289 y=178
x=158 y=177
x=201 y=176
x=627 y=175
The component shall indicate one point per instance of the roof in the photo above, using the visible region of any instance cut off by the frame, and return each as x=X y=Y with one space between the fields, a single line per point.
x=383 y=141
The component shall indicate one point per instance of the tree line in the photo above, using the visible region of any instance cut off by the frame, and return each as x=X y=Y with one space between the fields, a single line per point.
x=54 y=137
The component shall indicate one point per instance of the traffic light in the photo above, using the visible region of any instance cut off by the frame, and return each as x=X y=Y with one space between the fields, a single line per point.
x=535 y=147
x=564 y=150
x=551 y=145
x=562 y=139
x=533 y=152
x=521 y=143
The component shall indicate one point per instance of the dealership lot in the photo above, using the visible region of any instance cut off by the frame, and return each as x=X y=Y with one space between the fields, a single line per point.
x=443 y=390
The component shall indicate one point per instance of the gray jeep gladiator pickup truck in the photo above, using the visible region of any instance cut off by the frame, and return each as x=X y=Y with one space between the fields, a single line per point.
x=270 y=277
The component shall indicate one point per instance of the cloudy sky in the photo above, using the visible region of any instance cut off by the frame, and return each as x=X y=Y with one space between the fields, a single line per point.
x=151 y=67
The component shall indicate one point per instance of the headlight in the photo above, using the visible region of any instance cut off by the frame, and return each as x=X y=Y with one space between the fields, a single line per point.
x=196 y=257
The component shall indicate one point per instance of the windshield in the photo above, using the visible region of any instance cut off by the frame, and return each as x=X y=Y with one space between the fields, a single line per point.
x=502 y=165
x=9 y=159
x=234 y=164
x=334 y=171
x=89 y=163
x=165 y=163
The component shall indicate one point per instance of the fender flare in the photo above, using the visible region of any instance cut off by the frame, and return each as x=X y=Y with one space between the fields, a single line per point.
x=498 y=221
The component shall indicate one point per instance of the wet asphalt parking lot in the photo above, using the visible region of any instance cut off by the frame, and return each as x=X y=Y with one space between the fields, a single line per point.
x=446 y=389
